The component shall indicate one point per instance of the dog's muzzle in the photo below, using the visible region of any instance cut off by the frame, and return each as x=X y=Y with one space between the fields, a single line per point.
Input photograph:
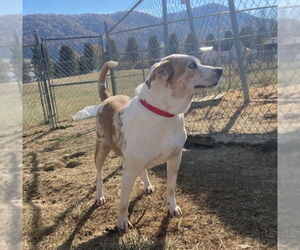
x=219 y=73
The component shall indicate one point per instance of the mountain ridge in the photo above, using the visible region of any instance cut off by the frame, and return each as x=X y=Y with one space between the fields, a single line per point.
x=60 y=25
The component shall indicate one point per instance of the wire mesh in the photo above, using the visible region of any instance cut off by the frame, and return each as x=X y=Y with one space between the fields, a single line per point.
x=72 y=65
x=221 y=111
x=33 y=109
x=137 y=41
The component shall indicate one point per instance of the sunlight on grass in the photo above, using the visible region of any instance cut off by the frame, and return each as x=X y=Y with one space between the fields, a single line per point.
x=71 y=98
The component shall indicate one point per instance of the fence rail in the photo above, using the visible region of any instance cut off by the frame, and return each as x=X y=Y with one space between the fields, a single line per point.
x=239 y=36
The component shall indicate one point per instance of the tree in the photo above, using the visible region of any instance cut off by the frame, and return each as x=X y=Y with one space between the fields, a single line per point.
x=34 y=59
x=210 y=41
x=153 y=49
x=227 y=43
x=261 y=34
x=247 y=36
x=56 y=70
x=26 y=71
x=36 y=62
x=173 y=44
x=87 y=61
x=261 y=29
x=67 y=61
x=99 y=54
x=114 y=51
x=132 y=51
x=190 y=44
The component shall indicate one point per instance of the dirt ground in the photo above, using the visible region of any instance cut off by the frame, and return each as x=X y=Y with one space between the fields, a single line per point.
x=228 y=114
x=227 y=194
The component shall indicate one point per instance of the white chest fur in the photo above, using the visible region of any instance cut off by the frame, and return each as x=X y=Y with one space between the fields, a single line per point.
x=150 y=139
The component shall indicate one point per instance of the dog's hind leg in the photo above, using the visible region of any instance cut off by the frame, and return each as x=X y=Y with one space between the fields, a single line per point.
x=102 y=151
x=149 y=189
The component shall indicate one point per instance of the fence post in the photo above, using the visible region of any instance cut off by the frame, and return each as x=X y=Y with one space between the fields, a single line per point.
x=109 y=53
x=47 y=73
x=240 y=58
x=219 y=40
x=40 y=85
x=165 y=20
x=102 y=49
x=41 y=69
x=192 y=27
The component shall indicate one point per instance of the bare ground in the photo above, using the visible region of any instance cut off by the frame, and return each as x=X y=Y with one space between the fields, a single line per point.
x=229 y=115
x=227 y=195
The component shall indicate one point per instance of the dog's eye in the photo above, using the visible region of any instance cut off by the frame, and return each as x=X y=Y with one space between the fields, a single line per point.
x=192 y=65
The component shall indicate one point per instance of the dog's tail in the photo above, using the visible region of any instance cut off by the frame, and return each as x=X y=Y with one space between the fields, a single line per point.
x=102 y=90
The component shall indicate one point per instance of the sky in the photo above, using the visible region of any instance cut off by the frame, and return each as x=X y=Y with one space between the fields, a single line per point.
x=102 y=6
x=107 y=6
x=11 y=7
x=75 y=6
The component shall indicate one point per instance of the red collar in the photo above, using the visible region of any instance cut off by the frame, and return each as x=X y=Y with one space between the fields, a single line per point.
x=155 y=109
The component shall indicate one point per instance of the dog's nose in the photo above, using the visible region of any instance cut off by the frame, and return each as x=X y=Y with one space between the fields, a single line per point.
x=219 y=72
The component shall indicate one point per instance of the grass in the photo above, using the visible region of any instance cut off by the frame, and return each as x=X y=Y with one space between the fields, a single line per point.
x=227 y=193
x=227 y=202
x=73 y=98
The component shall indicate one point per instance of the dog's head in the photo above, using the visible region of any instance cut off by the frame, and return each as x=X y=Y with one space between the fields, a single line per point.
x=183 y=74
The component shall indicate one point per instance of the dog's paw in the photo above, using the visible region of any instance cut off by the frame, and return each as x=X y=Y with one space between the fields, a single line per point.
x=149 y=190
x=176 y=211
x=100 y=201
x=124 y=224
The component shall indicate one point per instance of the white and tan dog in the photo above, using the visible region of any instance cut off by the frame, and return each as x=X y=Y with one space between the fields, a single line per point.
x=148 y=130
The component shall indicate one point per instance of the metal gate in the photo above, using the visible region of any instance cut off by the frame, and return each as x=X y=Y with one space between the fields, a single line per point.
x=74 y=63
x=66 y=71
x=38 y=96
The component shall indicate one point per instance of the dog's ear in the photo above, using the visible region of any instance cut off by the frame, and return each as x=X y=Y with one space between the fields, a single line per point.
x=162 y=70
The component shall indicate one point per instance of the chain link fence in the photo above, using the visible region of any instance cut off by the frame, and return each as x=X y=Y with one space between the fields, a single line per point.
x=74 y=67
x=63 y=70
x=34 y=114
x=239 y=36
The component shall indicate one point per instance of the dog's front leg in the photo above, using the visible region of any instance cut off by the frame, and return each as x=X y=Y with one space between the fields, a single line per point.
x=128 y=180
x=173 y=165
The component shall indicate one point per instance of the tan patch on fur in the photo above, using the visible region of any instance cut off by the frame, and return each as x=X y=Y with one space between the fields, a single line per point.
x=162 y=70
x=180 y=77
x=118 y=136
x=174 y=72
x=112 y=110
x=103 y=92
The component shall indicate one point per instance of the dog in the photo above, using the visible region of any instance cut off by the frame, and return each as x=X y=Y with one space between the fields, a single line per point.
x=148 y=130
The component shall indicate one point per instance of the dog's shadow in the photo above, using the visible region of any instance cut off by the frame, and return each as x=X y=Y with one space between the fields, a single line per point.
x=110 y=239
x=237 y=194
x=86 y=215
x=241 y=193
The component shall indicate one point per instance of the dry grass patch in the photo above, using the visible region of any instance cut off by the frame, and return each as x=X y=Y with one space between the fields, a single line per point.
x=227 y=195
